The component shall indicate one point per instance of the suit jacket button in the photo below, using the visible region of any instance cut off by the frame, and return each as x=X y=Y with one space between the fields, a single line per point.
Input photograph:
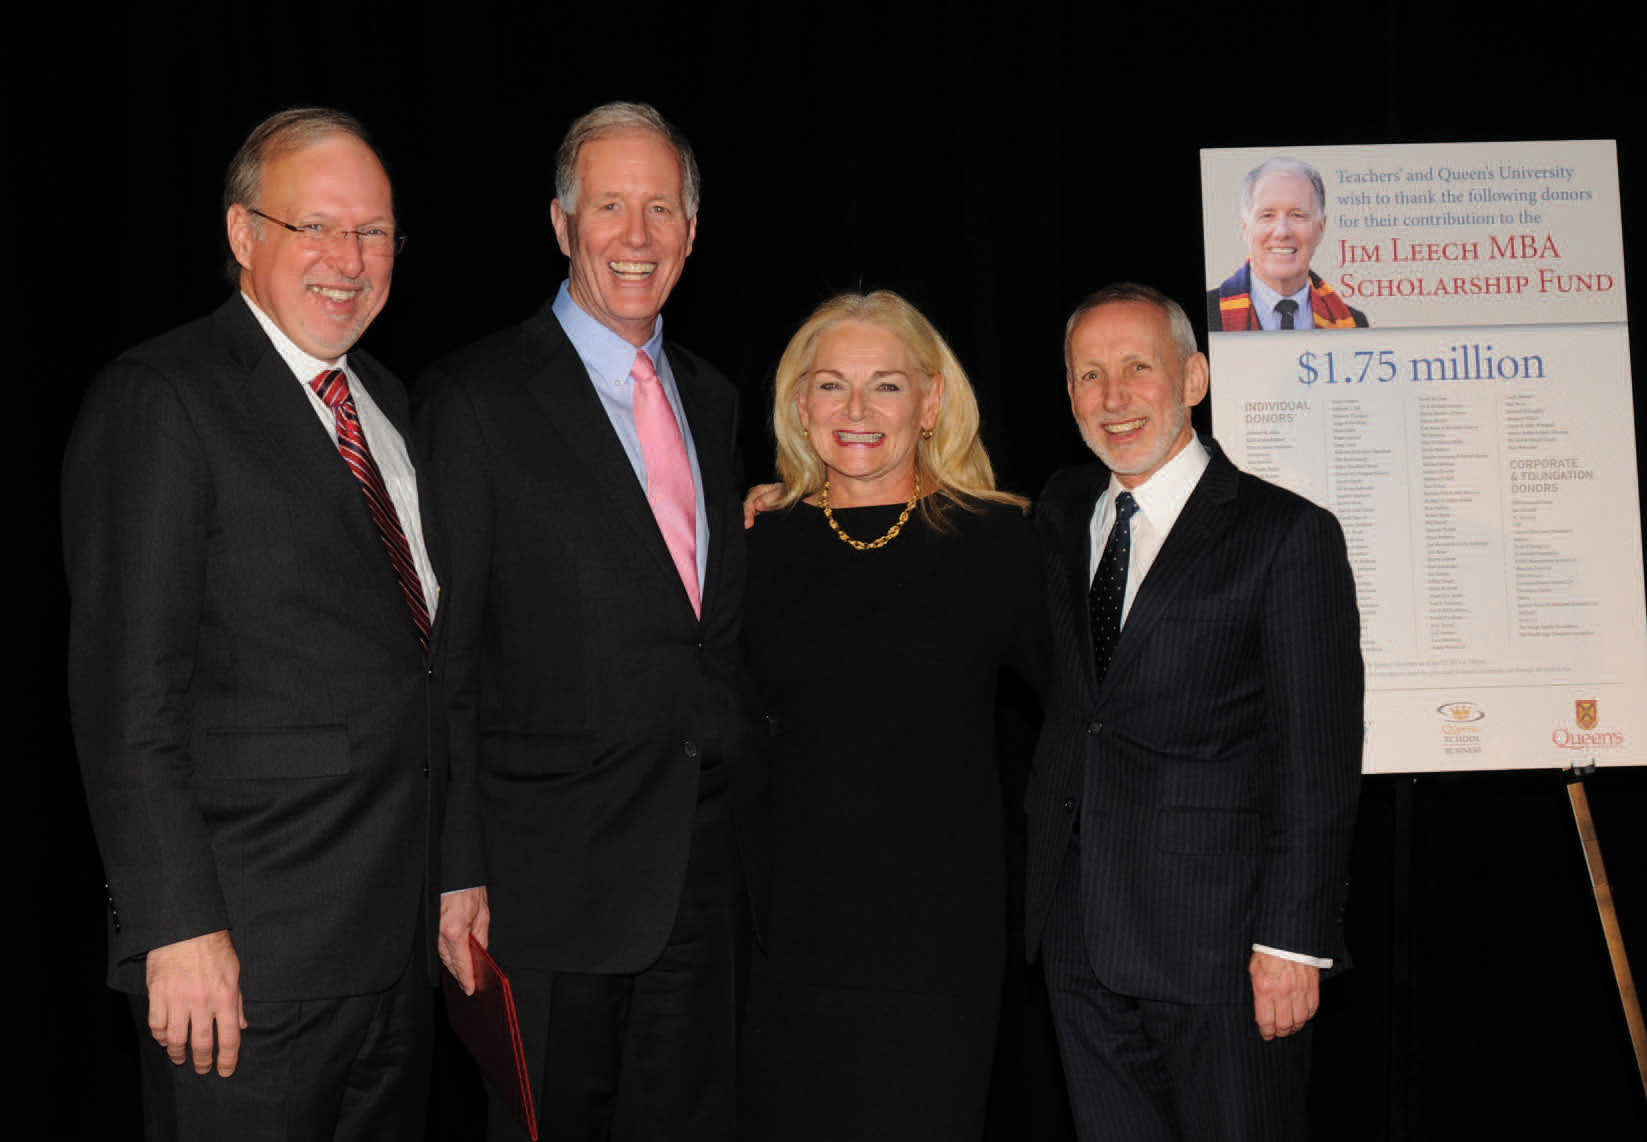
x=1095 y=727
x=1069 y=805
x=691 y=749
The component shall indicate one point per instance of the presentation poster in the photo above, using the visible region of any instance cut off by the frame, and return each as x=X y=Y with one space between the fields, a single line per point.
x=1453 y=382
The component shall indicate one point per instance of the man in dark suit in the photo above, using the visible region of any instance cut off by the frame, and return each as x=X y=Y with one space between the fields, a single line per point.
x=249 y=673
x=584 y=468
x=1194 y=788
x=1283 y=219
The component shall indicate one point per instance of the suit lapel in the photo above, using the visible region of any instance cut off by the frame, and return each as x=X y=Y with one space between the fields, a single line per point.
x=559 y=383
x=709 y=444
x=391 y=400
x=1205 y=515
x=289 y=434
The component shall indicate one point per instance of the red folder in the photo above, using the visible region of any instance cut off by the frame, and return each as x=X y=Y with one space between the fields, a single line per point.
x=487 y=1024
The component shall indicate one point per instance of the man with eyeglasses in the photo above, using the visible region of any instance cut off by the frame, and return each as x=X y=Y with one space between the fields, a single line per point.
x=253 y=606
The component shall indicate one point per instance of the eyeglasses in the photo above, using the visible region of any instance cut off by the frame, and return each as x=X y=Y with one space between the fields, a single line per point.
x=380 y=240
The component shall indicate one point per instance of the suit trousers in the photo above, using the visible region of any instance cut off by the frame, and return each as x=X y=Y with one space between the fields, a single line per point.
x=349 y=1069
x=648 y=1056
x=1143 y=1070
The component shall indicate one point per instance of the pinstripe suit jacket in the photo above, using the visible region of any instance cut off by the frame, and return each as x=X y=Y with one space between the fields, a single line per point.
x=1215 y=771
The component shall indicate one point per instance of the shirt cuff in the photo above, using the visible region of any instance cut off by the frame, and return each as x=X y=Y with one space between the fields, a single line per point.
x=1296 y=957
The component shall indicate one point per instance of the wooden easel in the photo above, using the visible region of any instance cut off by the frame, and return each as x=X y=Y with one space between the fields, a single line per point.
x=1609 y=914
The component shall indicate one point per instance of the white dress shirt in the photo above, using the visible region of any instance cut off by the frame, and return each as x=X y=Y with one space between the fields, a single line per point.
x=1160 y=499
x=388 y=449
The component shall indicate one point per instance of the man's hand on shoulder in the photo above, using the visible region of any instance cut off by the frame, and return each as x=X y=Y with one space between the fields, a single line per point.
x=195 y=1002
x=1285 y=994
x=761 y=498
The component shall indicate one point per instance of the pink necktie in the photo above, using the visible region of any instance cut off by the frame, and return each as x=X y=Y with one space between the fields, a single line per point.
x=333 y=387
x=668 y=474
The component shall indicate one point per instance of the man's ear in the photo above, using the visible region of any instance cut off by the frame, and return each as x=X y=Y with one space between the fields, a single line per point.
x=240 y=223
x=560 y=220
x=1197 y=377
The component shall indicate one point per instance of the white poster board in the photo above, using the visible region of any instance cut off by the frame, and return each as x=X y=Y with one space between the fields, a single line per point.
x=1475 y=438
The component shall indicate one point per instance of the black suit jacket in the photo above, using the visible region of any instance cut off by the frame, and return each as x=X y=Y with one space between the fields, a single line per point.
x=1215 y=772
x=251 y=708
x=584 y=690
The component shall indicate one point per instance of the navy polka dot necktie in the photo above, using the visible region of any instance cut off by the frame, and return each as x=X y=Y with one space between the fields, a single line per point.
x=1109 y=586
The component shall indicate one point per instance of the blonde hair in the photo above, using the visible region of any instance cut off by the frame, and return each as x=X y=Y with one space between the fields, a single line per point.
x=952 y=463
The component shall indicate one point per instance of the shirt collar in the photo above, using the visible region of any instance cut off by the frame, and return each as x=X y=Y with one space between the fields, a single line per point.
x=1162 y=496
x=607 y=356
x=1264 y=298
x=303 y=366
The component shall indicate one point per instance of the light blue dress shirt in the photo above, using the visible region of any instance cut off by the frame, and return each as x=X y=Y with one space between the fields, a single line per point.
x=608 y=358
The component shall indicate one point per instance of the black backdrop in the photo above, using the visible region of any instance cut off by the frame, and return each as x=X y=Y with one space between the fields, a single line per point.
x=993 y=163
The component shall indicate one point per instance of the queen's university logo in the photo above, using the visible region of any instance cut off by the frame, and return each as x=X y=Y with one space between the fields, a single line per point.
x=1584 y=712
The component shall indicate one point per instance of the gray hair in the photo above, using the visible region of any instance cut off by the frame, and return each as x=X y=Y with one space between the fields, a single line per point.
x=1284 y=165
x=614 y=119
x=1183 y=333
x=281 y=134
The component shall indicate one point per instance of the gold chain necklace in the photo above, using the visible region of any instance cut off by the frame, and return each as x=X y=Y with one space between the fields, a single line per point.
x=858 y=544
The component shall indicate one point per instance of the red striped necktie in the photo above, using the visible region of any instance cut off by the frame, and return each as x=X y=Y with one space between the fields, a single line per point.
x=333 y=388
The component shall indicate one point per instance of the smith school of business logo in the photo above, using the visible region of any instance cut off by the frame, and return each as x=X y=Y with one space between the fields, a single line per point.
x=1460 y=713
x=1460 y=733
x=1587 y=716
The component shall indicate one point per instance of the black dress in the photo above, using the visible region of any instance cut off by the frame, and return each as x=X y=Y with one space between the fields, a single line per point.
x=872 y=1013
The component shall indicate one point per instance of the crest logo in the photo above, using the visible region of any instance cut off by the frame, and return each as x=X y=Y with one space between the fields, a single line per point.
x=1458 y=713
x=1585 y=713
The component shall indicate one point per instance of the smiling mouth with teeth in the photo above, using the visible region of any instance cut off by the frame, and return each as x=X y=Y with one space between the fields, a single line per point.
x=632 y=271
x=1125 y=427
x=335 y=293
x=859 y=437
